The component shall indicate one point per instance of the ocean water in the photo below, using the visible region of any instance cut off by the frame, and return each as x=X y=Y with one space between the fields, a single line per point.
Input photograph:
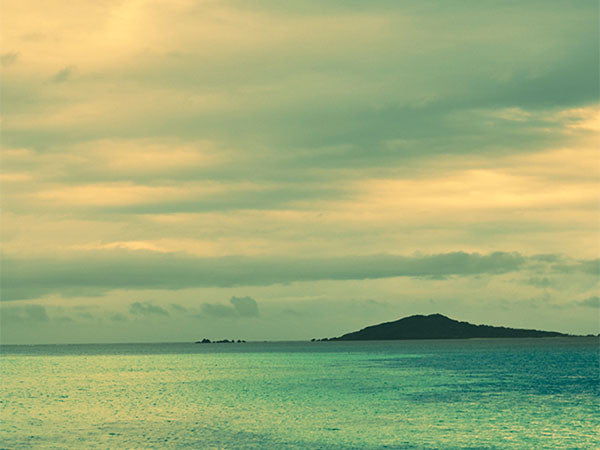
x=503 y=393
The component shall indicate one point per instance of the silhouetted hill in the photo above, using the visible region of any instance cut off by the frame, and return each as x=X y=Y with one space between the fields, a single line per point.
x=437 y=326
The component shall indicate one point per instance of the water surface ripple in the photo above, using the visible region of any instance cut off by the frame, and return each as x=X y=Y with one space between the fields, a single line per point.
x=502 y=393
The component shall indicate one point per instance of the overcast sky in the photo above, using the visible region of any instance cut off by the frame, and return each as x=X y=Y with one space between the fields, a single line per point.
x=173 y=170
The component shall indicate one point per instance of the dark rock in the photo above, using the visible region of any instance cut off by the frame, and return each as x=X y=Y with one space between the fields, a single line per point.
x=223 y=341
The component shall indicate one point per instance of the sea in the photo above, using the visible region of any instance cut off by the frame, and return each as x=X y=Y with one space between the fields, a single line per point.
x=431 y=394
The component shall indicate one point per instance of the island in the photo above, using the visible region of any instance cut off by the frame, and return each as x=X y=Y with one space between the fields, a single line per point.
x=224 y=341
x=437 y=326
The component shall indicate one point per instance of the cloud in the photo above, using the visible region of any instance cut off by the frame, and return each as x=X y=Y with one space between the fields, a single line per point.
x=147 y=309
x=245 y=306
x=216 y=310
x=24 y=314
x=64 y=319
x=310 y=68
x=177 y=307
x=541 y=282
x=241 y=307
x=63 y=75
x=590 y=302
x=274 y=143
x=120 y=269
x=292 y=312
x=8 y=58
x=118 y=317
x=591 y=267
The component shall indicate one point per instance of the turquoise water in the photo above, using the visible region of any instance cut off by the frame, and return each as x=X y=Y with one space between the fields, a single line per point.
x=522 y=393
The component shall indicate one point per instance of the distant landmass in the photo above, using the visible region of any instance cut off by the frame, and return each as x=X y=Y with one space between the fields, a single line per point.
x=224 y=341
x=438 y=326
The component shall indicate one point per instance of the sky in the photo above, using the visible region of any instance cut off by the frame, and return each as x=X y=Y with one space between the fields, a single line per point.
x=274 y=170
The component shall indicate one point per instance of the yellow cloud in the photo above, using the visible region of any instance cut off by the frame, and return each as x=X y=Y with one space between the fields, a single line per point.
x=109 y=194
x=147 y=156
x=127 y=193
x=587 y=118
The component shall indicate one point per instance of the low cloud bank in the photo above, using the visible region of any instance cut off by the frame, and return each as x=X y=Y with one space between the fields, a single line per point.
x=147 y=309
x=109 y=270
x=240 y=307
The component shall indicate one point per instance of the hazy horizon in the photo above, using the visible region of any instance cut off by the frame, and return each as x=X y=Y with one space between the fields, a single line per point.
x=233 y=339
x=289 y=170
